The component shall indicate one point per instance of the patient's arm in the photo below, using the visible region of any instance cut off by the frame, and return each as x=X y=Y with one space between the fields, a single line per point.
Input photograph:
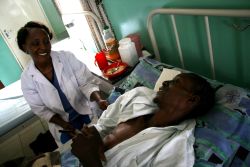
x=88 y=147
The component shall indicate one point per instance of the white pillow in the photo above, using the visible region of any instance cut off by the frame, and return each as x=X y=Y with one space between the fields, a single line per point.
x=166 y=75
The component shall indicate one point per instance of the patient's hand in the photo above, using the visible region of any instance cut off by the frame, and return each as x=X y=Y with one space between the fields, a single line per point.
x=88 y=147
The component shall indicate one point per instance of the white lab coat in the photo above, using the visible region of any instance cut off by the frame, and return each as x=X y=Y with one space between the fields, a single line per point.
x=155 y=146
x=75 y=80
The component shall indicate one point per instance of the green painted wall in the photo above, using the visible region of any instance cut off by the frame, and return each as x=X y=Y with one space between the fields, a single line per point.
x=54 y=19
x=231 y=47
x=10 y=70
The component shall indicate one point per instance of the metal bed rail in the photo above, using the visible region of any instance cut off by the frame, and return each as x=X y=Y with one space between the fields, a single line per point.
x=194 y=12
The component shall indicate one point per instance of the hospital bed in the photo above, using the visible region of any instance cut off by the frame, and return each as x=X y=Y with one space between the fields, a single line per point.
x=223 y=134
x=18 y=125
x=14 y=110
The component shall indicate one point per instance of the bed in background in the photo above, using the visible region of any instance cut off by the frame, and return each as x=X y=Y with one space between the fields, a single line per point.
x=14 y=110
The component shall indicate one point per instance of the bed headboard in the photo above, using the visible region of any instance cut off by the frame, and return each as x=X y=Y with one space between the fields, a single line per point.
x=207 y=13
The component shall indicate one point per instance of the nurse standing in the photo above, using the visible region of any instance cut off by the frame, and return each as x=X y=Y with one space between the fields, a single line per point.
x=57 y=86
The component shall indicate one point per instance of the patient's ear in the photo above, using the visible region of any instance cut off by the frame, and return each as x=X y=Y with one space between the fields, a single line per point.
x=194 y=99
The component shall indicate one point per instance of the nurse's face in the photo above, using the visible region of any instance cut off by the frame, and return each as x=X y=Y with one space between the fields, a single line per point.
x=38 y=45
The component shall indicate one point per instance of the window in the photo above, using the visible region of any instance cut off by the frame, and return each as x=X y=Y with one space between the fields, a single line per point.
x=77 y=25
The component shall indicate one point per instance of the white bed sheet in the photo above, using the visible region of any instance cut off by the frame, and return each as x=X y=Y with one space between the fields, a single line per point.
x=14 y=110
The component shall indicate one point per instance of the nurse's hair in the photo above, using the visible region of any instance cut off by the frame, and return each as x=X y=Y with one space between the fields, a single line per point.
x=23 y=32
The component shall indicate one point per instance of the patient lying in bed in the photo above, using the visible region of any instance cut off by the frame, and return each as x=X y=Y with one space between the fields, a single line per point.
x=145 y=128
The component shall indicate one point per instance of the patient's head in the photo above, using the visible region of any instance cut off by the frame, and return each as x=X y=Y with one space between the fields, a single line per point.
x=186 y=96
x=205 y=92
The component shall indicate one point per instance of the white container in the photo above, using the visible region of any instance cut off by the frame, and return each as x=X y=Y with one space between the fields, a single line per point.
x=107 y=34
x=128 y=52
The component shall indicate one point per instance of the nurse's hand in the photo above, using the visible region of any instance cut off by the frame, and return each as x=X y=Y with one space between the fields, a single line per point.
x=68 y=127
x=96 y=96
x=103 y=104
x=57 y=119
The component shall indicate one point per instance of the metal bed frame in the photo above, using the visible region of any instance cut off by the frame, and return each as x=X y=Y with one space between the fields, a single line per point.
x=194 y=12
